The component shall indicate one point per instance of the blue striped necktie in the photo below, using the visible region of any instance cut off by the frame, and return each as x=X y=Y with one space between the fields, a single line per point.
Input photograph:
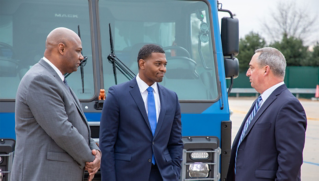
x=251 y=117
x=151 y=113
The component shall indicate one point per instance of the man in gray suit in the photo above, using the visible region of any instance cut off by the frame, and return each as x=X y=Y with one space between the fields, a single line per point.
x=52 y=134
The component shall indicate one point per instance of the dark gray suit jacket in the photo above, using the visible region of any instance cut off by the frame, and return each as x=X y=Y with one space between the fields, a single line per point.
x=52 y=134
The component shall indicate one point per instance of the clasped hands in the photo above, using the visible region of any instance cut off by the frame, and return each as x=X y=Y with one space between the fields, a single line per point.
x=93 y=167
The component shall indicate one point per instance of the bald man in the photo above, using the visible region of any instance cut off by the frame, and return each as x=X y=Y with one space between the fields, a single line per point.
x=52 y=134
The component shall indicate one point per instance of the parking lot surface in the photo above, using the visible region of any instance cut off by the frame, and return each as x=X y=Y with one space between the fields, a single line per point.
x=310 y=168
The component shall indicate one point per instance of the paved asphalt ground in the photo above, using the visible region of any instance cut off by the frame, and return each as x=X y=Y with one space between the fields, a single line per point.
x=310 y=167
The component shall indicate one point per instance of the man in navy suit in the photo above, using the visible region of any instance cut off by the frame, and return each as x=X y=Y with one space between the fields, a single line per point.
x=140 y=131
x=270 y=141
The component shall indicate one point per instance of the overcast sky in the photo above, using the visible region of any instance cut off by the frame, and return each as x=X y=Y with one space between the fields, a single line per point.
x=251 y=13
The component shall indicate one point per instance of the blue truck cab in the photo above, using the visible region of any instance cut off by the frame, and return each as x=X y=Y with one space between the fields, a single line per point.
x=200 y=55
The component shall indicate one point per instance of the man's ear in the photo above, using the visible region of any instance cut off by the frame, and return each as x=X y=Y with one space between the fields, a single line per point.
x=61 y=48
x=141 y=63
x=267 y=69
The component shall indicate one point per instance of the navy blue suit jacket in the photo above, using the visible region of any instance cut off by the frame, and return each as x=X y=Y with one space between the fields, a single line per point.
x=272 y=148
x=126 y=140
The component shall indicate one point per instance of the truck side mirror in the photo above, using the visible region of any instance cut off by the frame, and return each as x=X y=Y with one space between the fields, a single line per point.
x=230 y=36
x=231 y=67
x=230 y=42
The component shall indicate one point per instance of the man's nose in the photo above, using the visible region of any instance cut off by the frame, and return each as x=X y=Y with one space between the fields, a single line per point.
x=248 y=73
x=81 y=57
x=163 y=68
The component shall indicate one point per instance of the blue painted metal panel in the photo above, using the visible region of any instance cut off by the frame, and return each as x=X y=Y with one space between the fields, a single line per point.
x=7 y=126
x=193 y=124
x=93 y=117
x=205 y=124
x=202 y=124
x=219 y=54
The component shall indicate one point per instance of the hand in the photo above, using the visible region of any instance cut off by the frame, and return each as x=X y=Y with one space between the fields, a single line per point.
x=93 y=167
x=90 y=178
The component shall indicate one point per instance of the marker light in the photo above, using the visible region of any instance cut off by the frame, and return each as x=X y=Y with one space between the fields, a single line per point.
x=199 y=155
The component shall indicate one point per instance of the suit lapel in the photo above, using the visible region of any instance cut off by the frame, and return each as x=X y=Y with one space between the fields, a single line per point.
x=163 y=110
x=268 y=102
x=69 y=90
x=76 y=101
x=242 y=126
x=137 y=97
x=264 y=107
x=78 y=105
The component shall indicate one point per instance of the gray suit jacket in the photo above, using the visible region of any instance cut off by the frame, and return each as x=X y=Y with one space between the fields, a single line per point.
x=52 y=134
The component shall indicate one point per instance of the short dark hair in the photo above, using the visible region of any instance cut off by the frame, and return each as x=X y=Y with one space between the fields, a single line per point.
x=147 y=50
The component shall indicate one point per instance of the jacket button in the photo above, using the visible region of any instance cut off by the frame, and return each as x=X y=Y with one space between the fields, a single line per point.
x=153 y=142
x=149 y=160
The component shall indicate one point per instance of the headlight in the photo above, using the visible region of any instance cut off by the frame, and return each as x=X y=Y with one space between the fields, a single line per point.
x=199 y=155
x=198 y=170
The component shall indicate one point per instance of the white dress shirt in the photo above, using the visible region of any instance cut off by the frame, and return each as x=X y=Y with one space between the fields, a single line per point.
x=267 y=92
x=143 y=89
x=54 y=68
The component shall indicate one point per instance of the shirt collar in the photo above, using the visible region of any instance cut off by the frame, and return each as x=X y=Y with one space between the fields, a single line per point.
x=54 y=68
x=270 y=90
x=143 y=86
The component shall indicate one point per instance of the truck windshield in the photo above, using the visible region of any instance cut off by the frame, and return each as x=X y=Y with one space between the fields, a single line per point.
x=181 y=28
x=24 y=26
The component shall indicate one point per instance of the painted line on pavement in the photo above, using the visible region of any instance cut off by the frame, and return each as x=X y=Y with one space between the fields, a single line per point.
x=311 y=163
x=314 y=138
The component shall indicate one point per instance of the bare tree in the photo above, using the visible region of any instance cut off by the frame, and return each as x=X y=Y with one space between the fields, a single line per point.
x=289 y=19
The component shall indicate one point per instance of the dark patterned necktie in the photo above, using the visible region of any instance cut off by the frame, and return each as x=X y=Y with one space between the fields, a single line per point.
x=251 y=117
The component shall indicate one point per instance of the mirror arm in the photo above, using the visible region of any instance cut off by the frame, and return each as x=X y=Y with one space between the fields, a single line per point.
x=220 y=8
x=227 y=11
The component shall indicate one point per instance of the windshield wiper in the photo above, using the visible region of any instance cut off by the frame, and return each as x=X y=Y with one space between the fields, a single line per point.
x=82 y=64
x=117 y=63
x=81 y=67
